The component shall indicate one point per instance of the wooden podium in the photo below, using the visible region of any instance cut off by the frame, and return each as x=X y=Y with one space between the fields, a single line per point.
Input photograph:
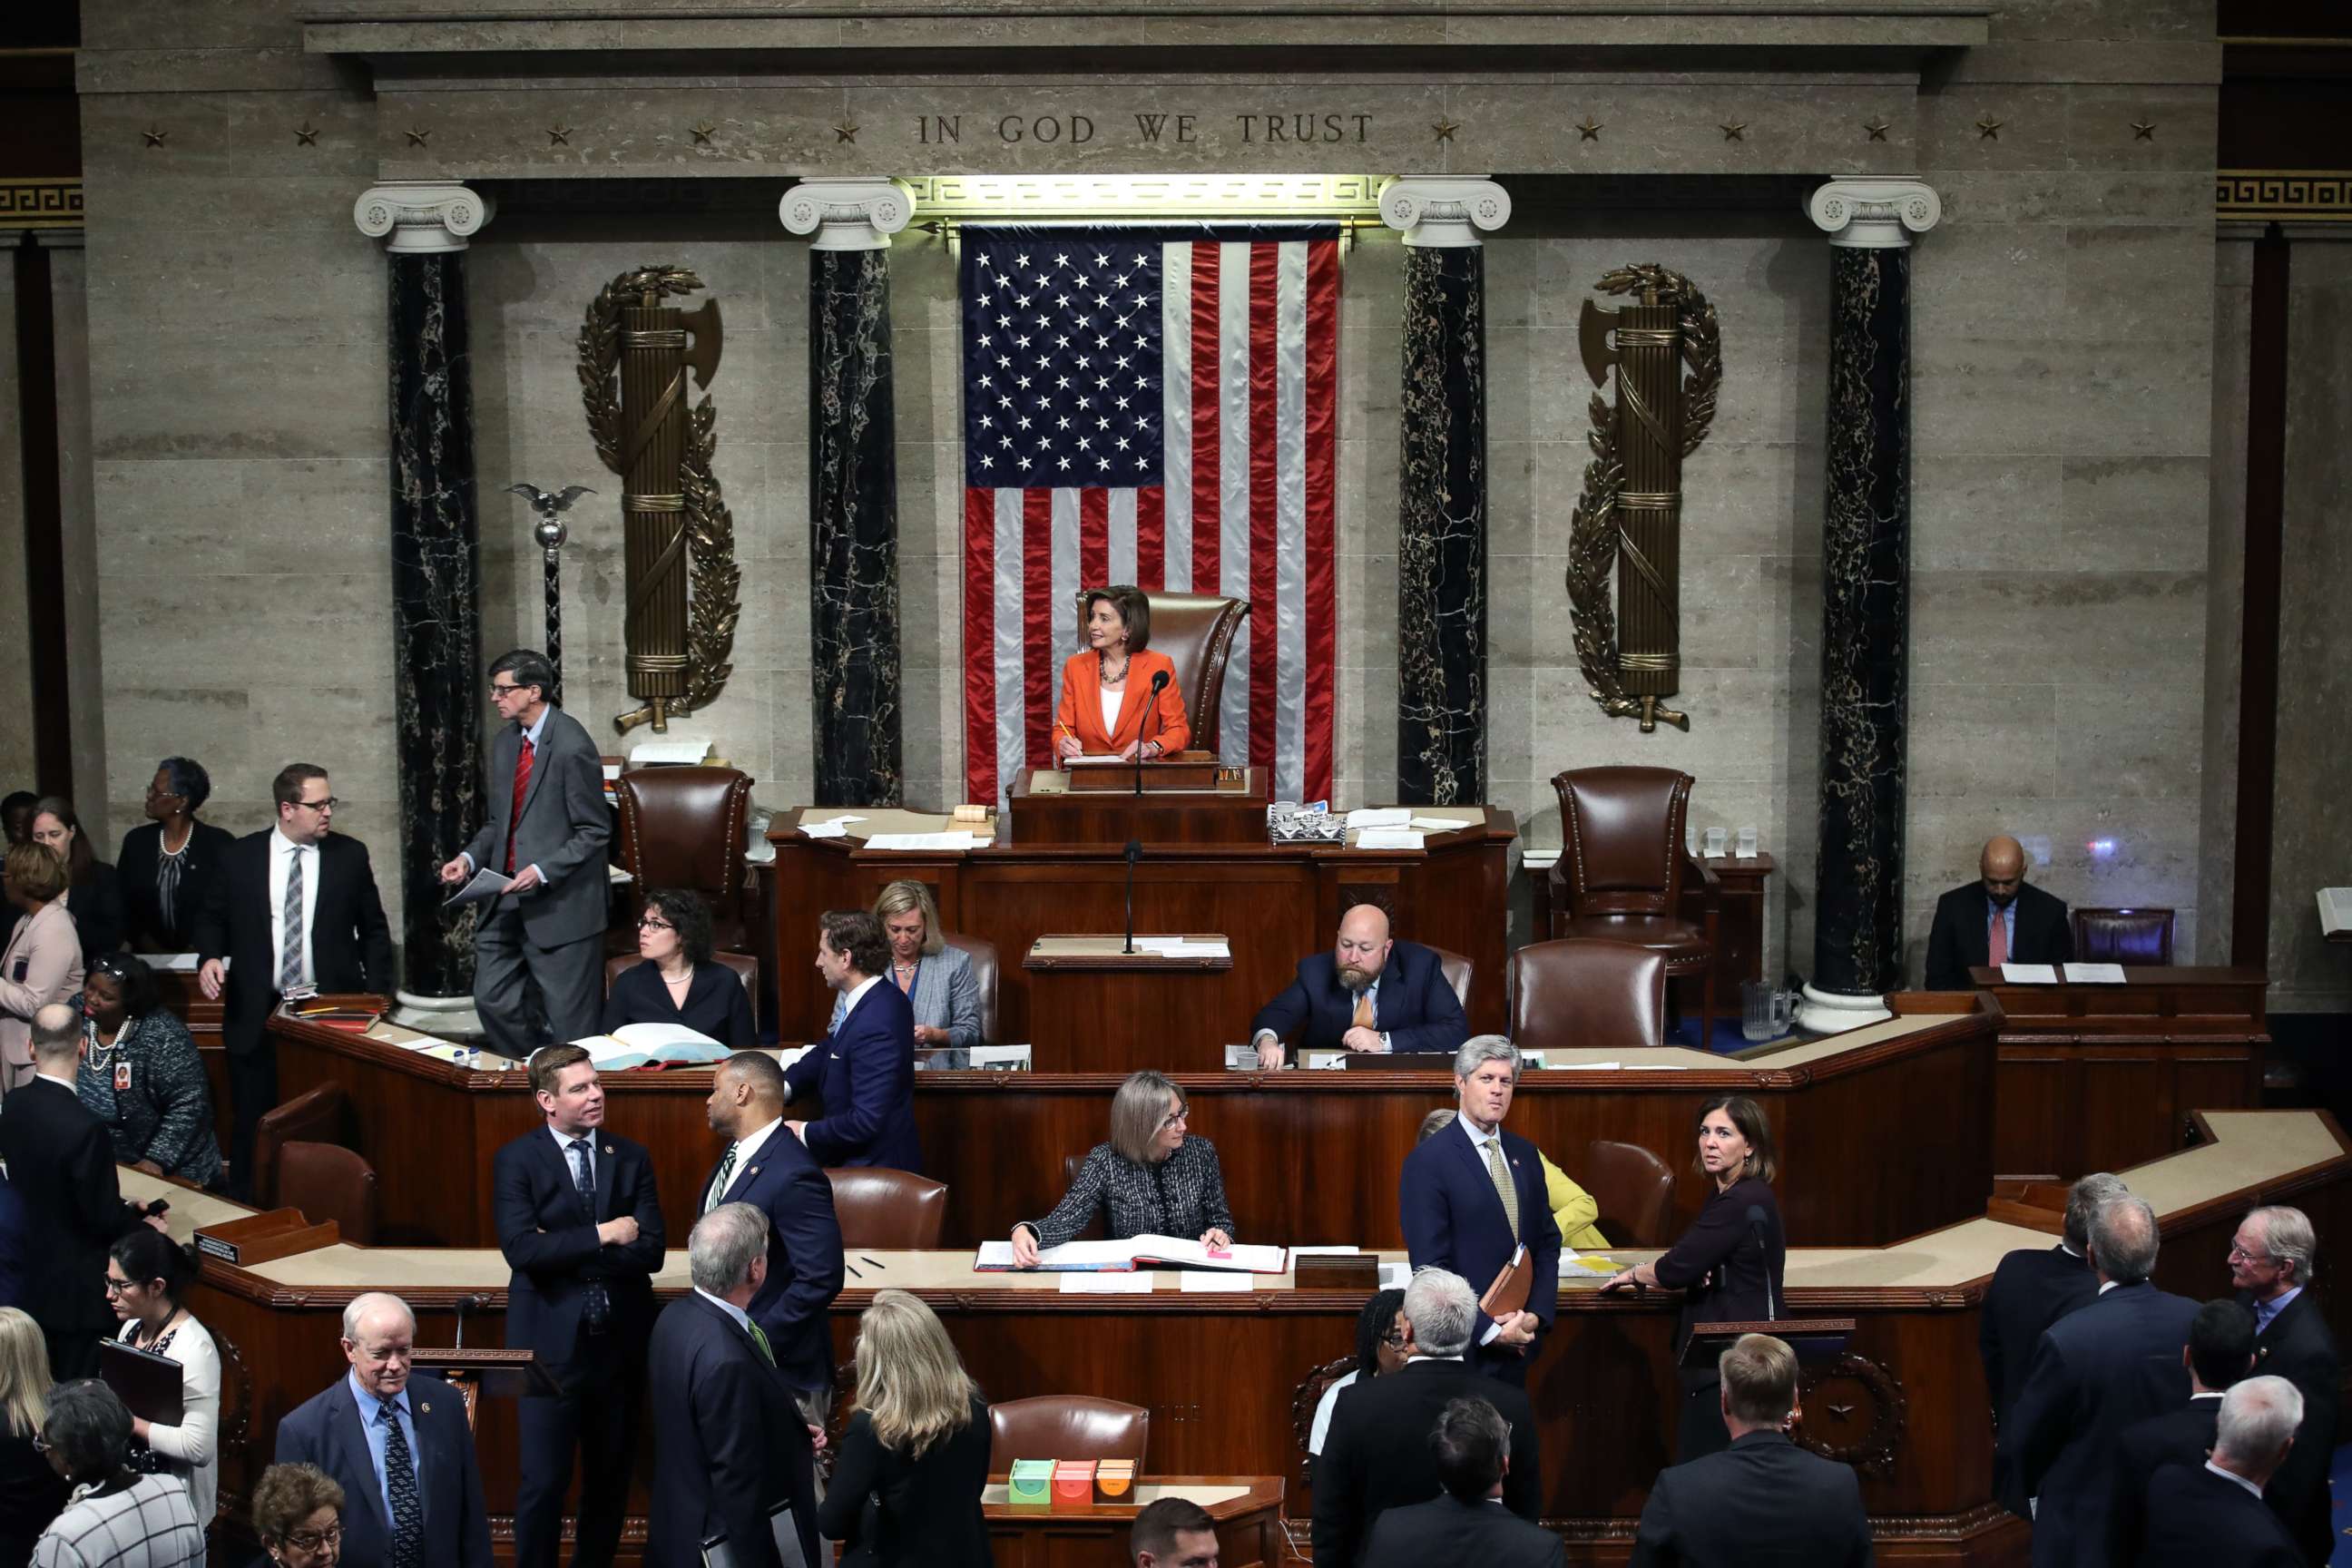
x=1190 y=798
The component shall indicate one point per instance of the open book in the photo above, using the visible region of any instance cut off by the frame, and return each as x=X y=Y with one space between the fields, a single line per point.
x=1137 y=1252
x=646 y=1045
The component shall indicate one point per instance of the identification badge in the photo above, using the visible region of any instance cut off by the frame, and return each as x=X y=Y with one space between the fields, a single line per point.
x=122 y=1077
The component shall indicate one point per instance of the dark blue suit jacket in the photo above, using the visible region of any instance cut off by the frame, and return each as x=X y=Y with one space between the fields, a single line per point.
x=326 y=1431
x=804 y=1261
x=1417 y=1009
x=729 y=1443
x=552 y=1248
x=865 y=1073
x=1453 y=1218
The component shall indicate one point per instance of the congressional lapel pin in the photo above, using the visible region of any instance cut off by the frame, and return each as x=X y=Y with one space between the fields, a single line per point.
x=121 y=1077
x=423 y=1408
x=608 y=1148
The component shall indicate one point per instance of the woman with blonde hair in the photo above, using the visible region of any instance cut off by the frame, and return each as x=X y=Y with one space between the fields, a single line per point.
x=906 y=1486
x=31 y=1494
x=937 y=979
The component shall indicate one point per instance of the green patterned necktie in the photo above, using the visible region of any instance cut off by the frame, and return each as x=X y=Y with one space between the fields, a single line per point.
x=760 y=1340
x=719 y=1182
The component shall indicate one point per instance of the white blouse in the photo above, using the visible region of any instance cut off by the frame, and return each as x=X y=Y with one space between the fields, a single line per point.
x=192 y=1450
x=1112 y=701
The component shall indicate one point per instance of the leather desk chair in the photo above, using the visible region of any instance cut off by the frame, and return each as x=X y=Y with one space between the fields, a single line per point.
x=2139 y=938
x=1196 y=631
x=1457 y=970
x=746 y=968
x=984 y=972
x=1624 y=875
x=1636 y=1190
x=1581 y=993
x=879 y=1207
x=682 y=827
x=1098 y=1228
x=1065 y=1427
x=320 y=1115
x=333 y=1183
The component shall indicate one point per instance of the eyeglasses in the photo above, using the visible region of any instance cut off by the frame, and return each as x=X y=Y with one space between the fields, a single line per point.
x=154 y=793
x=110 y=965
x=651 y=922
x=1395 y=1342
x=117 y=1287
x=311 y=1541
x=497 y=691
x=327 y=804
x=2239 y=1255
x=1173 y=1119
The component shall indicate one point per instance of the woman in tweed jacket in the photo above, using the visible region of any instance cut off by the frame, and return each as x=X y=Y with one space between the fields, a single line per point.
x=141 y=1075
x=1153 y=1178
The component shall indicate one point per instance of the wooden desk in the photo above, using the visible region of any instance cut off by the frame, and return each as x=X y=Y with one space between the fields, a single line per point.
x=1247 y=1510
x=1230 y=1378
x=1308 y=1156
x=1233 y=813
x=2094 y=1077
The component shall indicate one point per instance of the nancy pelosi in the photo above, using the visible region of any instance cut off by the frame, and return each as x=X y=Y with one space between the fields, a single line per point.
x=1107 y=707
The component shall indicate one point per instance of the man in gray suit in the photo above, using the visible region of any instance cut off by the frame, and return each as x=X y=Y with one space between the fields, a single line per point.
x=547 y=830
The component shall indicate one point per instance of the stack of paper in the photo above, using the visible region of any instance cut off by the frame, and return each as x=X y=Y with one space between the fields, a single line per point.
x=1388 y=838
x=1182 y=947
x=1137 y=1252
x=669 y=753
x=2095 y=973
x=833 y=826
x=1442 y=824
x=1379 y=816
x=960 y=839
x=2030 y=973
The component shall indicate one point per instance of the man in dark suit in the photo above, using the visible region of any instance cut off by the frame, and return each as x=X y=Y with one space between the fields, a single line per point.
x=2095 y=1372
x=1376 y=1455
x=729 y=1446
x=1994 y=920
x=293 y=905
x=2271 y=1259
x=547 y=830
x=1473 y=1193
x=1469 y=1521
x=1172 y=1532
x=2031 y=1289
x=765 y=1167
x=865 y=1070
x=398 y=1444
x=1368 y=994
x=2202 y=1515
x=1763 y=1499
x=2220 y=1354
x=581 y=1226
x=60 y=1163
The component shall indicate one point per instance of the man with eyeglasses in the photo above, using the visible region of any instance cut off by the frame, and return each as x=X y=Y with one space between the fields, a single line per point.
x=547 y=830
x=295 y=905
x=2270 y=1258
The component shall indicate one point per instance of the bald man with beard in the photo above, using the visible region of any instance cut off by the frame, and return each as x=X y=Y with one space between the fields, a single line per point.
x=1996 y=920
x=1369 y=992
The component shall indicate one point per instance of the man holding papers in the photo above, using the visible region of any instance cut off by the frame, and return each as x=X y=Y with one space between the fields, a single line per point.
x=1371 y=992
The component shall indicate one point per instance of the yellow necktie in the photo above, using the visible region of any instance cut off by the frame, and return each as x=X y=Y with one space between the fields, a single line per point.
x=1502 y=1187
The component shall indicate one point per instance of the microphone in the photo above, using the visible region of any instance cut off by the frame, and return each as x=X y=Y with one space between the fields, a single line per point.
x=1134 y=853
x=1151 y=707
x=1756 y=1219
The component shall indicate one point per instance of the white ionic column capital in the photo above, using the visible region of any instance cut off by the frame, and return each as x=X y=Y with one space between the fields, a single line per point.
x=420 y=217
x=1874 y=215
x=1444 y=211
x=847 y=215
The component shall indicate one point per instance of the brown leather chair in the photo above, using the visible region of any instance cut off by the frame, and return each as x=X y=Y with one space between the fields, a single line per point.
x=1196 y=631
x=1096 y=1229
x=1065 y=1427
x=320 y=1115
x=1457 y=970
x=880 y=1207
x=2140 y=937
x=331 y=1183
x=746 y=968
x=1636 y=1190
x=682 y=827
x=984 y=972
x=1584 y=994
x=1624 y=875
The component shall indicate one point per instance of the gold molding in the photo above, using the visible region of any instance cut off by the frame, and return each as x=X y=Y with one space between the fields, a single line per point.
x=40 y=204
x=2286 y=195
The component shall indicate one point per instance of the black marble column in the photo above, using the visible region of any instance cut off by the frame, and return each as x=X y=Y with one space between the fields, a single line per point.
x=1441 y=531
x=1866 y=624
x=854 y=530
x=437 y=610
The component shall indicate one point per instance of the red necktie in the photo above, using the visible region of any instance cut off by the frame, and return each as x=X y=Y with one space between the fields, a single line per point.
x=1997 y=939
x=522 y=782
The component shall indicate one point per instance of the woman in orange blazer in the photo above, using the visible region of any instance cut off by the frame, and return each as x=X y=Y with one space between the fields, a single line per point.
x=1106 y=706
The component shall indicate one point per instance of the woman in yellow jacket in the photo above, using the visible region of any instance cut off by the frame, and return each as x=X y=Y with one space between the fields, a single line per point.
x=1573 y=1209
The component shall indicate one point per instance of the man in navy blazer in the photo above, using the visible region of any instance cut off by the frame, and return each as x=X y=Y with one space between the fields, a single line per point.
x=2097 y=1371
x=581 y=1226
x=865 y=1070
x=1452 y=1206
x=429 y=1517
x=2200 y=1515
x=765 y=1166
x=1368 y=994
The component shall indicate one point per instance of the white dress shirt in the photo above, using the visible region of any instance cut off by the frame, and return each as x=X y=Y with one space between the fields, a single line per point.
x=2233 y=1476
x=564 y=1145
x=282 y=851
x=1479 y=1141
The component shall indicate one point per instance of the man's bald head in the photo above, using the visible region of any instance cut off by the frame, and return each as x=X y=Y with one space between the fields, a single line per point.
x=1363 y=947
x=2003 y=865
x=57 y=1034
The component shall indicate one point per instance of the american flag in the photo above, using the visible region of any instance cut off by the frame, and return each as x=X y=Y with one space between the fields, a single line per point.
x=1155 y=407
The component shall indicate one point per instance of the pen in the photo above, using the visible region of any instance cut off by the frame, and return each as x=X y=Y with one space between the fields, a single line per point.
x=863 y=1259
x=853 y=1269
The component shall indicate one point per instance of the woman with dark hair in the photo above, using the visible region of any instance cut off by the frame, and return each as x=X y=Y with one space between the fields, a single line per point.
x=1108 y=708
x=1153 y=1177
x=115 y=1515
x=297 y=1511
x=16 y=815
x=1730 y=1264
x=139 y=1074
x=147 y=1276
x=679 y=982
x=94 y=891
x=1379 y=1350
x=166 y=864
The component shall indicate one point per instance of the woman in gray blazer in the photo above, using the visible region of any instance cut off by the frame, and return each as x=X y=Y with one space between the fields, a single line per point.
x=937 y=978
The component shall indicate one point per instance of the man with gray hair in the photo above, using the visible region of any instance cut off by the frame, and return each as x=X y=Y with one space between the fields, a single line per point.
x=2094 y=1372
x=1377 y=1454
x=2033 y=1287
x=2213 y=1513
x=2271 y=1259
x=730 y=1445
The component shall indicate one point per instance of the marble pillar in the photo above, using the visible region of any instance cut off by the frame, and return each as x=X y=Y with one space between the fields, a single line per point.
x=435 y=566
x=1442 y=711
x=1866 y=595
x=852 y=487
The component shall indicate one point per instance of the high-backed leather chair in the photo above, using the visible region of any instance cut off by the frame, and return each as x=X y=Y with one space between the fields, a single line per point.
x=1634 y=1189
x=1624 y=875
x=746 y=968
x=329 y=1182
x=1196 y=631
x=1457 y=970
x=2139 y=937
x=682 y=827
x=884 y=1208
x=1065 y=1427
x=984 y=972
x=320 y=1115
x=1096 y=1229
x=1582 y=993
